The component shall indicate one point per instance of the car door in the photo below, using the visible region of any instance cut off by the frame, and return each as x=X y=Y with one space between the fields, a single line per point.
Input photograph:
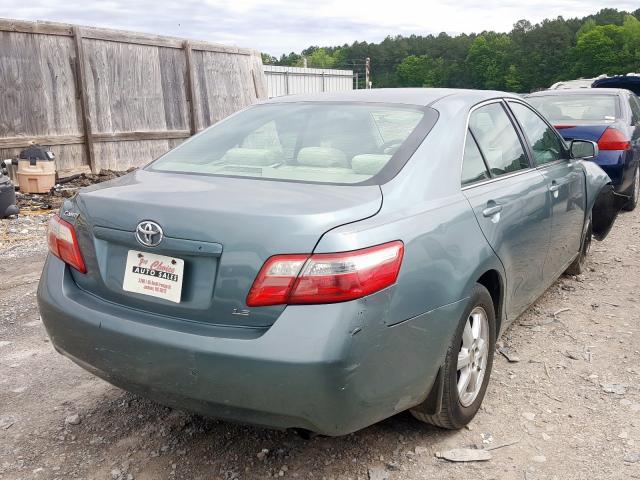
x=566 y=182
x=510 y=201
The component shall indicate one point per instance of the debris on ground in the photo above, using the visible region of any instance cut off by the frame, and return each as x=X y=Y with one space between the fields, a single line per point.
x=503 y=445
x=377 y=473
x=65 y=188
x=465 y=455
x=632 y=457
x=616 y=388
x=73 y=419
x=509 y=354
x=25 y=234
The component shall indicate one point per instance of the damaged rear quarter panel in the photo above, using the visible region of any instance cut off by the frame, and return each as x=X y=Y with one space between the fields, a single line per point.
x=602 y=201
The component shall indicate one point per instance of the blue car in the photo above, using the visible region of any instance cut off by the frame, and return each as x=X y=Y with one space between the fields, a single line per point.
x=323 y=262
x=609 y=116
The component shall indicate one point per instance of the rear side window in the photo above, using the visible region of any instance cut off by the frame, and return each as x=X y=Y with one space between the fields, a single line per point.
x=473 y=167
x=546 y=145
x=497 y=140
x=325 y=142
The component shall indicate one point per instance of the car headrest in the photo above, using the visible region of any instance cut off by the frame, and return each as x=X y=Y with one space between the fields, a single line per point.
x=369 y=164
x=251 y=156
x=322 y=157
x=552 y=111
x=483 y=122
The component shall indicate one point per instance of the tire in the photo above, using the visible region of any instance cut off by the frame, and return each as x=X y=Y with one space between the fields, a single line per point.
x=579 y=265
x=457 y=410
x=634 y=192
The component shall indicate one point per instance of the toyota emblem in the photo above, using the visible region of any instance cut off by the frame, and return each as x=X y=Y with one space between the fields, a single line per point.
x=149 y=233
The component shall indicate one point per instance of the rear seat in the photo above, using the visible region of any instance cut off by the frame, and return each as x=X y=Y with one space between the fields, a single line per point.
x=261 y=157
x=325 y=157
x=369 y=164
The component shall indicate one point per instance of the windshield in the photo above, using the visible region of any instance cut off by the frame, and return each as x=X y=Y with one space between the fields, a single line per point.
x=311 y=142
x=598 y=108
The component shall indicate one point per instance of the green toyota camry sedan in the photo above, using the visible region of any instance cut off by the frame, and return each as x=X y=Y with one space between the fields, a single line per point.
x=324 y=262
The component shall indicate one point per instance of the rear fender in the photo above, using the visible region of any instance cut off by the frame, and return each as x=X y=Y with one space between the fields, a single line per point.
x=602 y=201
x=605 y=211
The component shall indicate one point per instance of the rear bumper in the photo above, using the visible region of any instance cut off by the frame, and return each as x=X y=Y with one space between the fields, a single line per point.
x=331 y=369
x=618 y=164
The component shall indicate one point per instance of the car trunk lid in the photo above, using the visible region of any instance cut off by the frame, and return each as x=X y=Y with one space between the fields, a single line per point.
x=224 y=229
x=572 y=129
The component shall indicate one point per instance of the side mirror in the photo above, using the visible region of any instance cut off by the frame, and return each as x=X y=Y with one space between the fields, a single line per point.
x=583 y=149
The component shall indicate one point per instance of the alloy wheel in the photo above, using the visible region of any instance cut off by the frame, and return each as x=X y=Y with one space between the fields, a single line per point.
x=473 y=356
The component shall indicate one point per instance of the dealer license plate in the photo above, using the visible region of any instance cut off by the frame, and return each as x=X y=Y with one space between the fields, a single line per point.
x=155 y=275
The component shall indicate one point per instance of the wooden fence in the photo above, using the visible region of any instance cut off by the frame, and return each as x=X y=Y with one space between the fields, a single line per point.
x=111 y=99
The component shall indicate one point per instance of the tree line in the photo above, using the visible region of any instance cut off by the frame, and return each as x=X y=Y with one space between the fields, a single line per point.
x=529 y=57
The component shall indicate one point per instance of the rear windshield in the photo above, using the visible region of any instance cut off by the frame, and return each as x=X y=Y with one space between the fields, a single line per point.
x=343 y=143
x=599 y=108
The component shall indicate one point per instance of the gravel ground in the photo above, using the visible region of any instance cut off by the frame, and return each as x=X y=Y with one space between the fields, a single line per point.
x=569 y=408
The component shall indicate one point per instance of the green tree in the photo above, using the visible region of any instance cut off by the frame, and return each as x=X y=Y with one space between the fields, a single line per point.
x=600 y=50
x=268 y=59
x=631 y=40
x=320 y=59
x=422 y=71
x=512 y=79
x=488 y=60
x=586 y=27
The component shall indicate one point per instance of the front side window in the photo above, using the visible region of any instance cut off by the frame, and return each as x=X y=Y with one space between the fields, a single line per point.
x=344 y=143
x=497 y=140
x=546 y=145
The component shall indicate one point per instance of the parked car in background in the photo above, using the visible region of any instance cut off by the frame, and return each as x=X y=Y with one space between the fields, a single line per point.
x=577 y=83
x=630 y=81
x=608 y=116
x=323 y=262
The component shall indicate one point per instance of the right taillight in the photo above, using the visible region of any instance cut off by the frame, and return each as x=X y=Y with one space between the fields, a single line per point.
x=326 y=277
x=63 y=243
x=613 y=139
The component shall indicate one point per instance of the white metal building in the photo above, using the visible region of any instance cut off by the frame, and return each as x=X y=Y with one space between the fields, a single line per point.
x=292 y=80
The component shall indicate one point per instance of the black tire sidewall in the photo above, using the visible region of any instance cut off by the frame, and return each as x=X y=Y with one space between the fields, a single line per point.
x=459 y=414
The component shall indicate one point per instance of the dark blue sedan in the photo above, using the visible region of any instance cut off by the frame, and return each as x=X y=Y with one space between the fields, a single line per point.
x=608 y=116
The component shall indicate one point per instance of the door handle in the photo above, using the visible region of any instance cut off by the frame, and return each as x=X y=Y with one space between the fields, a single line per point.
x=491 y=211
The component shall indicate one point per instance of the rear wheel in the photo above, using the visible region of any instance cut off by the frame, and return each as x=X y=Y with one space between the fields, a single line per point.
x=580 y=263
x=467 y=365
x=634 y=192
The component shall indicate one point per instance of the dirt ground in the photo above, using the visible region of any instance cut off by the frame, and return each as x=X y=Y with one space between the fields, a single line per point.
x=568 y=409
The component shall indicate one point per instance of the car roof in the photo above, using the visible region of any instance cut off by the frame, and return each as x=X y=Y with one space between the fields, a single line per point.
x=407 y=96
x=580 y=91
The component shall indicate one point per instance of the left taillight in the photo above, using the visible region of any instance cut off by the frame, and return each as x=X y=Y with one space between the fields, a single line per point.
x=63 y=243
x=326 y=277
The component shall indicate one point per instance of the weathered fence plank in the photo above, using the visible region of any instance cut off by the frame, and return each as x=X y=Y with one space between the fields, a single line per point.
x=83 y=96
x=114 y=99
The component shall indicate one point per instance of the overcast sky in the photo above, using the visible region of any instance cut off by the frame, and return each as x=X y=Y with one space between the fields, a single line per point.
x=282 y=26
